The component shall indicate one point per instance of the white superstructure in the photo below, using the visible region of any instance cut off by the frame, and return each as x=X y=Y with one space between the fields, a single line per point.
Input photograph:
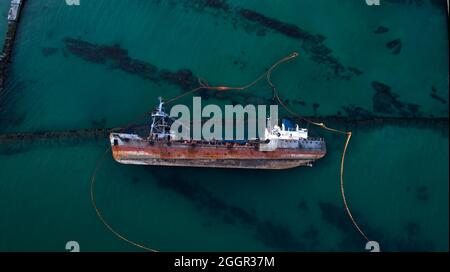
x=14 y=10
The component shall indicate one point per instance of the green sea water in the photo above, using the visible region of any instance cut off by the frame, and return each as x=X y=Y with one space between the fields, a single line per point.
x=396 y=176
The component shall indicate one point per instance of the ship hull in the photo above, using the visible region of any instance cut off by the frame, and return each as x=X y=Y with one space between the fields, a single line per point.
x=219 y=163
x=213 y=156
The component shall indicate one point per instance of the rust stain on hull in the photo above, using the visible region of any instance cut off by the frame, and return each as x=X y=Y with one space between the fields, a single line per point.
x=215 y=156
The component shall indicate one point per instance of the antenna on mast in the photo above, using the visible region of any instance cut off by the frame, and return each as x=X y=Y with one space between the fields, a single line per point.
x=161 y=103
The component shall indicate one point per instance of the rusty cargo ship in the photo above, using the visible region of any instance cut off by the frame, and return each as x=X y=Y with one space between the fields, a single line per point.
x=282 y=147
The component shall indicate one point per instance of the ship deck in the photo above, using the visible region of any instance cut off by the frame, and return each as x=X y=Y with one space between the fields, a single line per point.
x=212 y=154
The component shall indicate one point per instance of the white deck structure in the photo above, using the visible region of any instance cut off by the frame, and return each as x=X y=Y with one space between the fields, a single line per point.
x=14 y=10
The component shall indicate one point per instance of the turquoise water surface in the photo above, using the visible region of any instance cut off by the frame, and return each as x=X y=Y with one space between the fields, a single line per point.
x=396 y=175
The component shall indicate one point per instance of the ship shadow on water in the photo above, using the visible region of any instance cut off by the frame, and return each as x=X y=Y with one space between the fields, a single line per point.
x=208 y=190
x=274 y=235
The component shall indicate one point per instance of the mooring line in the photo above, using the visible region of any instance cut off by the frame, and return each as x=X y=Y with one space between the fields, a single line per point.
x=321 y=125
x=99 y=214
x=204 y=86
x=349 y=135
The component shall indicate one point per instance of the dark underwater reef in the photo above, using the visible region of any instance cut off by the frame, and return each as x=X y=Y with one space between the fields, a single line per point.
x=279 y=236
x=435 y=96
x=381 y=30
x=116 y=57
x=55 y=136
x=311 y=44
x=362 y=122
x=385 y=101
x=252 y=21
x=21 y=142
x=274 y=235
x=100 y=132
x=395 y=46
x=409 y=239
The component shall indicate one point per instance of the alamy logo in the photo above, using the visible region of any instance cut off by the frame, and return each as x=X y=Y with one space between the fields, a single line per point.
x=73 y=2
x=373 y=246
x=73 y=246
x=373 y=2
x=256 y=121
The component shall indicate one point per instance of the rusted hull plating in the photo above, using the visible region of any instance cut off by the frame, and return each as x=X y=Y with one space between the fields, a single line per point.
x=215 y=156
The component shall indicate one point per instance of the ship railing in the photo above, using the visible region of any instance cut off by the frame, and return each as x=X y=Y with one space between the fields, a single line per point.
x=320 y=139
x=216 y=142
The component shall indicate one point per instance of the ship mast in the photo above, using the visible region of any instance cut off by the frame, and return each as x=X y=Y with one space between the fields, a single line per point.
x=159 y=126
